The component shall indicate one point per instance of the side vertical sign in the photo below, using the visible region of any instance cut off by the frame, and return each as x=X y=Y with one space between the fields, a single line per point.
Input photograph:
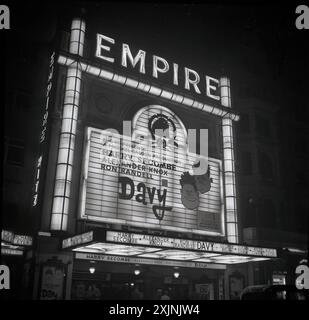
x=43 y=132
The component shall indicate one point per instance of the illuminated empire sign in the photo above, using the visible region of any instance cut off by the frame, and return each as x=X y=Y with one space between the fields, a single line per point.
x=192 y=80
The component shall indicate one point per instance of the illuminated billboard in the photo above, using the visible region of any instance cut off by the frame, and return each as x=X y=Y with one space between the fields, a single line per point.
x=151 y=181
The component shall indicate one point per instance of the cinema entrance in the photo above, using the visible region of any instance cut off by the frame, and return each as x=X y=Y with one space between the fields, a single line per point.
x=125 y=265
x=95 y=280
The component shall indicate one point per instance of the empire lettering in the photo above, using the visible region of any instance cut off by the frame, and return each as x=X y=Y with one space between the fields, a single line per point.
x=192 y=80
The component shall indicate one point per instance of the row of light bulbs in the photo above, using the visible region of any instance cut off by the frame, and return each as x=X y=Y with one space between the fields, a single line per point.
x=137 y=272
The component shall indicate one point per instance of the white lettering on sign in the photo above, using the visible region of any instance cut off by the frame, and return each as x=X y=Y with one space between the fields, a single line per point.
x=100 y=47
x=205 y=246
x=16 y=239
x=156 y=68
x=193 y=81
x=37 y=181
x=48 y=90
x=7 y=236
x=22 y=240
x=11 y=252
x=77 y=240
x=211 y=87
x=44 y=129
x=159 y=66
x=139 y=58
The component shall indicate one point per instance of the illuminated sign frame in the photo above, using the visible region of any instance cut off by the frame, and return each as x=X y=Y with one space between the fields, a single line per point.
x=103 y=219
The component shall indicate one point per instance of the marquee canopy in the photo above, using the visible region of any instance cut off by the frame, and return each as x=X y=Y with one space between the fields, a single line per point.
x=143 y=247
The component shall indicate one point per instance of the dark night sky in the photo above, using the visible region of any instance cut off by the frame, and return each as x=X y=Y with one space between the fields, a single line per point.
x=208 y=37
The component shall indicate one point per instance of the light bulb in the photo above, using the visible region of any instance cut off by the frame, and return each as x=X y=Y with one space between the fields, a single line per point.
x=176 y=274
x=91 y=269
x=137 y=272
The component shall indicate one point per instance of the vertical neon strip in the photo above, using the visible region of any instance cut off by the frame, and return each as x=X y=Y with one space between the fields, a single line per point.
x=62 y=188
x=225 y=92
x=77 y=38
x=229 y=165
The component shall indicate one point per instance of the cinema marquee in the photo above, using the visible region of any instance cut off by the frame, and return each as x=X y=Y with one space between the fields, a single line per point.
x=113 y=202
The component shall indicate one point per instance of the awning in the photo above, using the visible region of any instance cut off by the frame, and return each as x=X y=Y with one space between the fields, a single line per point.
x=119 y=244
x=14 y=244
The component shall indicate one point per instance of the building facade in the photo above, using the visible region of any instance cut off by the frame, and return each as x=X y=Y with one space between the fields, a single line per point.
x=118 y=210
x=123 y=205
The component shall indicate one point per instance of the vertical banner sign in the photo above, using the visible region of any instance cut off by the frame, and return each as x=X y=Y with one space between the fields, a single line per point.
x=43 y=133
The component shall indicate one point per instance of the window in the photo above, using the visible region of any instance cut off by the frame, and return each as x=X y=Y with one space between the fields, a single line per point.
x=15 y=153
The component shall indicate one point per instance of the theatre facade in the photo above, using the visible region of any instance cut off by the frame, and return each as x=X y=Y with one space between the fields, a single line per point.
x=135 y=186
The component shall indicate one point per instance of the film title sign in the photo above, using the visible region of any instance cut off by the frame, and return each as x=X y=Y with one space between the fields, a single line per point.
x=165 y=242
x=16 y=239
x=77 y=240
x=126 y=182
